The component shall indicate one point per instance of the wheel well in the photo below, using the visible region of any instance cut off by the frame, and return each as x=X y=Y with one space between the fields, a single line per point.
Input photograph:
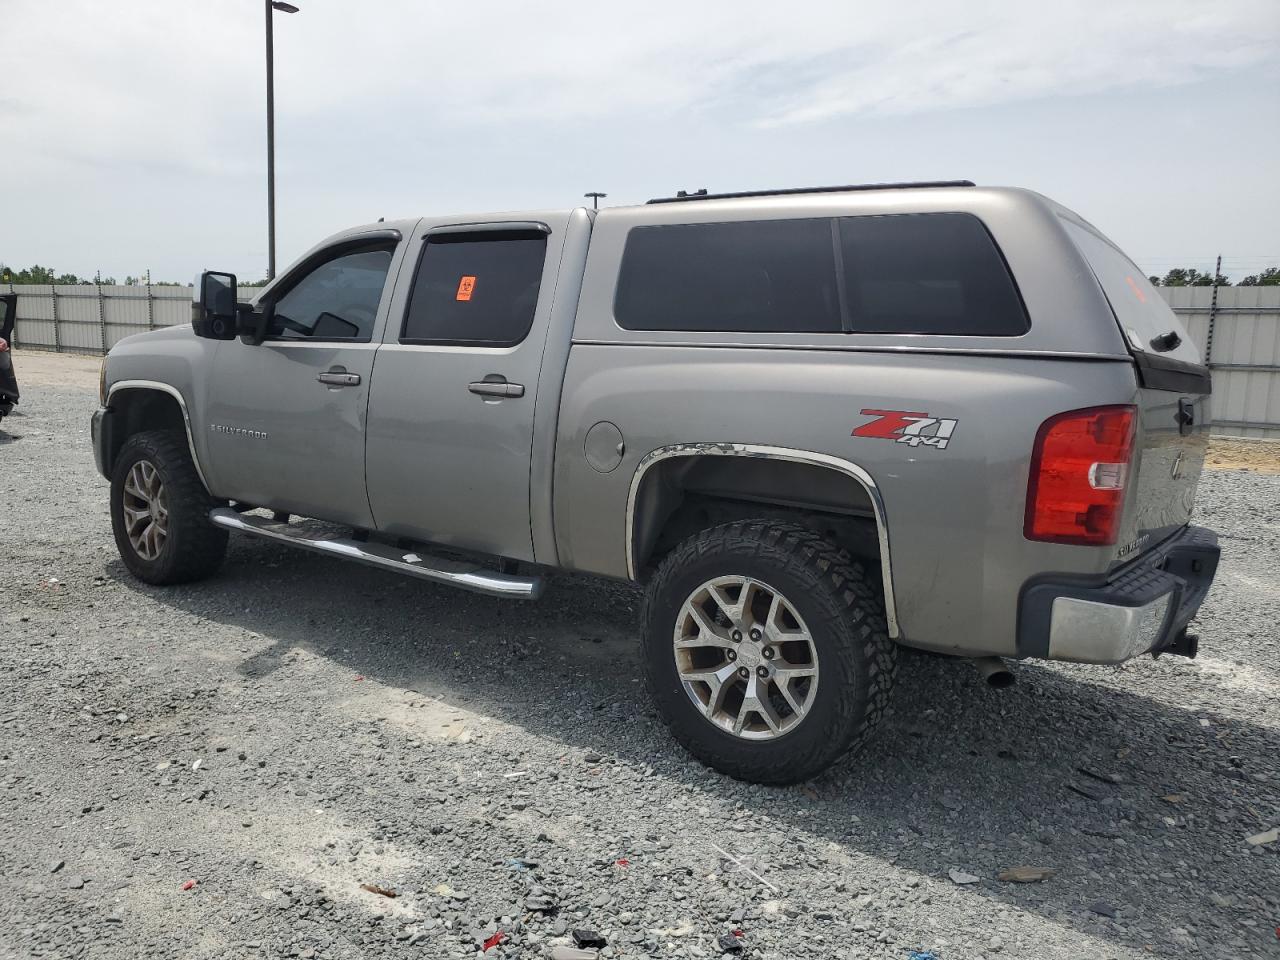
x=141 y=409
x=680 y=496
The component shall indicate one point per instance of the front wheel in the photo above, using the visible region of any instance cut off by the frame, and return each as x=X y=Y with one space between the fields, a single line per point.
x=766 y=650
x=160 y=511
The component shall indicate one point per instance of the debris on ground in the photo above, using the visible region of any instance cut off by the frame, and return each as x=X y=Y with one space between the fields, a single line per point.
x=731 y=942
x=572 y=953
x=189 y=885
x=1102 y=909
x=1087 y=794
x=380 y=891
x=960 y=877
x=589 y=938
x=541 y=900
x=1026 y=874
x=921 y=955
x=742 y=866
x=1267 y=836
x=493 y=941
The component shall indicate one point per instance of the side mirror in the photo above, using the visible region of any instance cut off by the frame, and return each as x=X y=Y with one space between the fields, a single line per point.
x=213 y=306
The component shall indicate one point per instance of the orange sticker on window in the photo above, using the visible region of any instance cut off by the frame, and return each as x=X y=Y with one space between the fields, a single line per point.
x=465 y=286
x=1137 y=291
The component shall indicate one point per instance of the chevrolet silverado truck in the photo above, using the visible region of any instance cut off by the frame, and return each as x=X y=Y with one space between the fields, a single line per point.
x=815 y=425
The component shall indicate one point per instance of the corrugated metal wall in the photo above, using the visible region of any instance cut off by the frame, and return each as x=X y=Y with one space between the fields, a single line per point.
x=1240 y=336
x=90 y=318
x=1242 y=345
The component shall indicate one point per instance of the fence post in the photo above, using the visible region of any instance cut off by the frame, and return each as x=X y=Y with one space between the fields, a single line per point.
x=57 y=334
x=1213 y=313
x=102 y=316
x=151 y=310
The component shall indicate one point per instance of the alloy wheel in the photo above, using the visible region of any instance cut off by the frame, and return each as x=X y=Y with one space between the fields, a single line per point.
x=746 y=658
x=146 y=510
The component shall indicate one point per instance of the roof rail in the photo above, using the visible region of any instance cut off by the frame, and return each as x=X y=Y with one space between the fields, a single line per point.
x=702 y=194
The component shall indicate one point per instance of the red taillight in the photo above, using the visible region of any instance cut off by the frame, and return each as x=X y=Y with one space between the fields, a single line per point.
x=1078 y=473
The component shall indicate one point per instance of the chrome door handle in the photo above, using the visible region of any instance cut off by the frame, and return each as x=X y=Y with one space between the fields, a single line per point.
x=496 y=388
x=339 y=378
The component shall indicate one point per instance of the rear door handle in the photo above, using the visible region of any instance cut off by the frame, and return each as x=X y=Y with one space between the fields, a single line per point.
x=498 y=387
x=339 y=378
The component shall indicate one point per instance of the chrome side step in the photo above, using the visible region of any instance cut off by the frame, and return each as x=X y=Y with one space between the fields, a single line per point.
x=456 y=573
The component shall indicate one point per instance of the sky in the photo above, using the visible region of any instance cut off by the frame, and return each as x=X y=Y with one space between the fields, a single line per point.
x=134 y=131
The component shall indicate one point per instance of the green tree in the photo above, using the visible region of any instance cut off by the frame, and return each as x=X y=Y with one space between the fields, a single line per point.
x=36 y=274
x=1190 y=277
x=1269 y=277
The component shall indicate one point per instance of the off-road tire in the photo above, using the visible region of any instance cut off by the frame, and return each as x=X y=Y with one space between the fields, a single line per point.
x=194 y=548
x=839 y=600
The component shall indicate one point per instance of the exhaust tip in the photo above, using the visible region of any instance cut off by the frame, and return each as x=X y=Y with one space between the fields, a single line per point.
x=995 y=672
x=1001 y=679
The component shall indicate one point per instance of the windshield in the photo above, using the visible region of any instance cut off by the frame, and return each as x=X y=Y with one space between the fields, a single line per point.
x=1143 y=314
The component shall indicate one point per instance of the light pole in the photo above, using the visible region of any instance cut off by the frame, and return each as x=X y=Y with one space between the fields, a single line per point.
x=271 y=135
x=595 y=198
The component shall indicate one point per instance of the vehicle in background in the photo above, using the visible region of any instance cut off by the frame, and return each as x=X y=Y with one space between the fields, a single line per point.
x=8 y=381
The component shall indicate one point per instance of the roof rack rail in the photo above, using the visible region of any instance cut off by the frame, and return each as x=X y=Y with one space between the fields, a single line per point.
x=702 y=194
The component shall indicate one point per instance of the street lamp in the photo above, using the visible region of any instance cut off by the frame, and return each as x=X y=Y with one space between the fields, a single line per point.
x=271 y=136
x=595 y=198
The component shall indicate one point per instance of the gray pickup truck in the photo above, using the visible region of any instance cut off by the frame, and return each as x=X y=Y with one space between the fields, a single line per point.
x=815 y=425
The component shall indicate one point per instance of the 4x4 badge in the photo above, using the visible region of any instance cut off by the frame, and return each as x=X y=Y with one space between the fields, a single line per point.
x=903 y=426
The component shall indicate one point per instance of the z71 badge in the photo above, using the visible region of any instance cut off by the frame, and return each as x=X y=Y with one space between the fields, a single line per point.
x=903 y=426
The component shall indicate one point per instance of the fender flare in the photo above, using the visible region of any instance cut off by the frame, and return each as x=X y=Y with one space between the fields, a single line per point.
x=809 y=457
x=156 y=385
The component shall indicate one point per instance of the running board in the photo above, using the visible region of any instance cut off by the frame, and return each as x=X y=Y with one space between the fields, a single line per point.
x=456 y=573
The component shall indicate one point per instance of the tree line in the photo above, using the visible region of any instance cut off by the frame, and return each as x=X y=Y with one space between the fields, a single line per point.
x=39 y=274
x=1191 y=277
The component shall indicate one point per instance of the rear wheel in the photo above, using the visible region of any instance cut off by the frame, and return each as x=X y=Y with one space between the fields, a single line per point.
x=160 y=511
x=766 y=650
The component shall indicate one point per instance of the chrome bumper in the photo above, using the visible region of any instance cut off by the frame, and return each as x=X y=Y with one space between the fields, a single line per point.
x=1144 y=607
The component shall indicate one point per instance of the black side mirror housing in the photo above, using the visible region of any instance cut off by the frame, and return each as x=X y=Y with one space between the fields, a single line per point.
x=252 y=323
x=214 y=306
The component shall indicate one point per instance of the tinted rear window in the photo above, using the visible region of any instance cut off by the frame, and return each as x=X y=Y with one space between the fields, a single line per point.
x=1141 y=312
x=936 y=273
x=752 y=276
x=475 y=289
x=910 y=274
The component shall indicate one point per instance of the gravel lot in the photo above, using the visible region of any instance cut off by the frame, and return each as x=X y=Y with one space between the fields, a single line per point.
x=297 y=727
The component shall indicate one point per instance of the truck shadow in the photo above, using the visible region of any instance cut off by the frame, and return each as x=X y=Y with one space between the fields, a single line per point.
x=1068 y=770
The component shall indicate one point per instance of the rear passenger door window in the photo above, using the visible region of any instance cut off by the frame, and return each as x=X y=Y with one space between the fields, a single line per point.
x=927 y=273
x=476 y=289
x=752 y=276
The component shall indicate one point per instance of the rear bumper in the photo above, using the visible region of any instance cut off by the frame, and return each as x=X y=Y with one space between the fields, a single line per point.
x=1144 y=607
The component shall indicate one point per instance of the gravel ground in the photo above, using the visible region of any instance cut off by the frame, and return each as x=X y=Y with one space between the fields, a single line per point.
x=214 y=770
